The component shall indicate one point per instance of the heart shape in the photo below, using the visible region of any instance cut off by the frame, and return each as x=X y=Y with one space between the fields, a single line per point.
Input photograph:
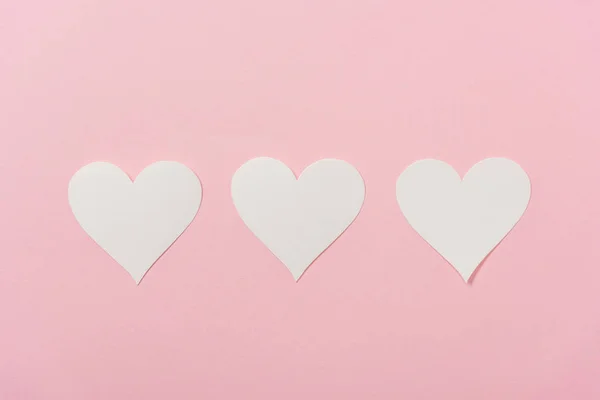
x=463 y=220
x=297 y=219
x=135 y=222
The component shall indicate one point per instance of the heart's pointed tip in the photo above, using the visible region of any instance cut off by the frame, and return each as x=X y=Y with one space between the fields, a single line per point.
x=137 y=279
x=466 y=276
x=297 y=276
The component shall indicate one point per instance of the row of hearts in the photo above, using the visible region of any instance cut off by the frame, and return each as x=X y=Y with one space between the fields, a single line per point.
x=298 y=219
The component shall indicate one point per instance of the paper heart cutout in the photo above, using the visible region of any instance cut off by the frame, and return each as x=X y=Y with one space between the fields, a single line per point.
x=297 y=219
x=463 y=220
x=135 y=222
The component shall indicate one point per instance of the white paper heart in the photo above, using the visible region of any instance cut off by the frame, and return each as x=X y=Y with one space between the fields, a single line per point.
x=297 y=219
x=135 y=223
x=463 y=220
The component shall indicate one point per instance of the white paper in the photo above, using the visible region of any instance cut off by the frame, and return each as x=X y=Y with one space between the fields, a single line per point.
x=464 y=220
x=297 y=219
x=135 y=223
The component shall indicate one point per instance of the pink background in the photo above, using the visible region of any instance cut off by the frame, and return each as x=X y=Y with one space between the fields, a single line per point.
x=377 y=83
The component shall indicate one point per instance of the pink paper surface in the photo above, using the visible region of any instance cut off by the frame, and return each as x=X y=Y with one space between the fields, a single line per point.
x=380 y=84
